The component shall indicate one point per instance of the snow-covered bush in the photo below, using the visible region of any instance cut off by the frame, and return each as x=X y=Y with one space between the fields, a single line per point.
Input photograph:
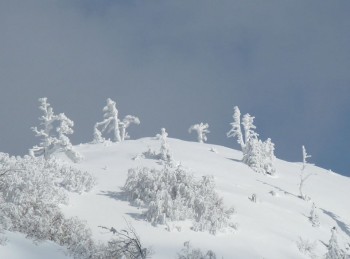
x=53 y=134
x=257 y=154
x=306 y=247
x=112 y=123
x=188 y=252
x=30 y=195
x=202 y=130
x=172 y=194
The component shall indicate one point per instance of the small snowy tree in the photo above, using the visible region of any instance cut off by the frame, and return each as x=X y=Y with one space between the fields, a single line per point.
x=303 y=176
x=202 y=130
x=164 y=146
x=314 y=216
x=125 y=124
x=54 y=140
x=334 y=252
x=257 y=154
x=111 y=123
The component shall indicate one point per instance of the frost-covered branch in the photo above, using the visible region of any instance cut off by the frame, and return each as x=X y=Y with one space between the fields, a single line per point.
x=126 y=245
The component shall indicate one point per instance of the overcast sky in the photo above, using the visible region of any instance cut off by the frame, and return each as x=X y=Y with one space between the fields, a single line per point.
x=175 y=63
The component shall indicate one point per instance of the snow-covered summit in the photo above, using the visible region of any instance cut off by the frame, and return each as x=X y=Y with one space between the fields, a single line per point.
x=271 y=220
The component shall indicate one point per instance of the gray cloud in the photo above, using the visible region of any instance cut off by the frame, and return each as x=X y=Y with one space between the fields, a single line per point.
x=174 y=63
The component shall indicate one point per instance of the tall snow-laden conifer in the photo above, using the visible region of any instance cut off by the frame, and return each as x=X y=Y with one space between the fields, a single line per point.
x=202 y=130
x=53 y=141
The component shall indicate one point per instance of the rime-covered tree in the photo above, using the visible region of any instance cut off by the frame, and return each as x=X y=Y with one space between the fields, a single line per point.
x=303 y=176
x=257 y=154
x=236 y=130
x=334 y=252
x=164 y=151
x=202 y=130
x=112 y=123
x=129 y=119
x=53 y=134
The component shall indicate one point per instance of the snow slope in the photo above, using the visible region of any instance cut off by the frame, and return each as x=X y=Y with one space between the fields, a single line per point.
x=269 y=228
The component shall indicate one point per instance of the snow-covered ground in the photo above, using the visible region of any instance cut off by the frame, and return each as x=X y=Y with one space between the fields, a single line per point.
x=269 y=228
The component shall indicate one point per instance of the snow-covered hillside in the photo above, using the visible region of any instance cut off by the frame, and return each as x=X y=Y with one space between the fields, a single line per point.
x=270 y=228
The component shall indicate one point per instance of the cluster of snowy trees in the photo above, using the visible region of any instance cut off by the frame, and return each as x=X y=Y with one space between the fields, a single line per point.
x=31 y=190
x=54 y=128
x=173 y=194
x=257 y=154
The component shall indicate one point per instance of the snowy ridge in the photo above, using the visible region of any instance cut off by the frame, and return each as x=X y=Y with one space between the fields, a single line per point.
x=267 y=228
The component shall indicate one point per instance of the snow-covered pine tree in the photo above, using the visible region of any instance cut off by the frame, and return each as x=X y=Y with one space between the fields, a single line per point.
x=303 y=176
x=111 y=123
x=314 y=219
x=202 y=130
x=53 y=141
x=257 y=154
x=334 y=252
